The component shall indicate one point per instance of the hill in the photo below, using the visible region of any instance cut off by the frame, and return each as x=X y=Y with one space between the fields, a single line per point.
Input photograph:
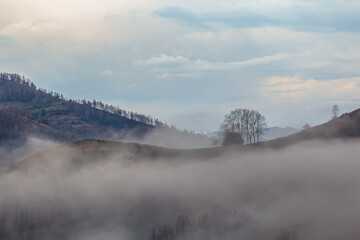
x=83 y=152
x=347 y=126
x=140 y=187
x=70 y=119
x=82 y=118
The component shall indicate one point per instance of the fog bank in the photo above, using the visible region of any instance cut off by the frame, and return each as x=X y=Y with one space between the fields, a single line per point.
x=311 y=183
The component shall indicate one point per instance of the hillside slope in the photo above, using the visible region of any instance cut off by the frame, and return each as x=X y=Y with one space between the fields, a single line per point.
x=347 y=126
x=14 y=129
x=81 y=119
x=74 y=155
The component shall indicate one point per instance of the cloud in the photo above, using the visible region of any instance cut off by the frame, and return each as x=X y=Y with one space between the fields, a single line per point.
x=178 y=75
x=295 y=87
x=163 y=59
x=107 y=72
x=134 y=85
x=198 y=64
x=206 y=19
x=29 y=26
x=179 y=14
x=180 y=52
x=303 y=15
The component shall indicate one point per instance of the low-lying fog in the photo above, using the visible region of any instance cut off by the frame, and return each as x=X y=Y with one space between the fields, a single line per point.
x=311 y=183
x=32 y=145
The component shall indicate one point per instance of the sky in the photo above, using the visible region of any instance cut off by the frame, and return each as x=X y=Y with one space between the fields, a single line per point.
x=191 y=62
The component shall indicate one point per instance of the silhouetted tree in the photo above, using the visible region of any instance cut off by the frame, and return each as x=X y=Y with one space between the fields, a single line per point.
x=335 y=112
x=249 y=124
x=232 y=139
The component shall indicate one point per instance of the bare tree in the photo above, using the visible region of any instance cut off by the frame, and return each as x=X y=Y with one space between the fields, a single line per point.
x=260 y=125
x=249 y=124
x=335 y=112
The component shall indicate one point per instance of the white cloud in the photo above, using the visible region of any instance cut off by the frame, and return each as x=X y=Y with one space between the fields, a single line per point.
x=80 y=20
x=178 y=75
x=107 y=72
x=14 y=28
x=204 y=65
x=163 y=59
x=296 y=88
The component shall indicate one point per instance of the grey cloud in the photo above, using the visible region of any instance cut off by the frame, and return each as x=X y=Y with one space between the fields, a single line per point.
x=239 y=19
x=308 y=18
x=181 y=15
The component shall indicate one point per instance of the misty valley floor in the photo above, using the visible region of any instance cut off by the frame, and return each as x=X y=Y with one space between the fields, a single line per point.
x=311 y=189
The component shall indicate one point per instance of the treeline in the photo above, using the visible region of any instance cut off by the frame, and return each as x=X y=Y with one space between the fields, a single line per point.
x=215 y=224
x=118 y=111
x=17 y=88
x=249 y=124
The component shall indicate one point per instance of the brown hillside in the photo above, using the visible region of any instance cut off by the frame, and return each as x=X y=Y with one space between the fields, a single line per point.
x=72 y=155
x=17 y=128
x=347 y=126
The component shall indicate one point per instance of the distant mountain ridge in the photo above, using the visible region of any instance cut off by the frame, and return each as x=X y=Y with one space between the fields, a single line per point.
x=269 y=133
x=277 y=132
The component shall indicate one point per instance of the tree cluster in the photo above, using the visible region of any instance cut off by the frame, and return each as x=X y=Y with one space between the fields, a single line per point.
x=249 y=124
x=17 y=88
x=215 y=224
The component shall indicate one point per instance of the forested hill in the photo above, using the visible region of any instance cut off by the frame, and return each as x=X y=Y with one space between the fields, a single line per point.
x=70 y=119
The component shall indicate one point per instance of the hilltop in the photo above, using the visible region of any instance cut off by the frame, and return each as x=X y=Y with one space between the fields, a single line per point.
x=347 y=126
x=88 y=151
x=49 y=114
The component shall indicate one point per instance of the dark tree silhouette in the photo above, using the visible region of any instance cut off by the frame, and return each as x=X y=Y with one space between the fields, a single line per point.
x=335 y=111
x=249 y=124
x=232 y=138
